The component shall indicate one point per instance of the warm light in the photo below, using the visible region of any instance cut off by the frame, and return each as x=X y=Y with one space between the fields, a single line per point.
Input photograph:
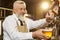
x=45 y=5
x=52 y=0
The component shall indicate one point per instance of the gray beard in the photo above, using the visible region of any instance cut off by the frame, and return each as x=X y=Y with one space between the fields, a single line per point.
x=20 y=17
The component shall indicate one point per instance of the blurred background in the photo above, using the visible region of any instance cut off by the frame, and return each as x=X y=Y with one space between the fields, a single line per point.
x=34 y=7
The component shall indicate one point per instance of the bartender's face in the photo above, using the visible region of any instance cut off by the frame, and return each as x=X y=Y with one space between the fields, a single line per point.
x=21 y=9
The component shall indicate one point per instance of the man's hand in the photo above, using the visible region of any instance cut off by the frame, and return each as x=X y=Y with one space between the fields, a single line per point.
x=39 y=34
x=49 y=16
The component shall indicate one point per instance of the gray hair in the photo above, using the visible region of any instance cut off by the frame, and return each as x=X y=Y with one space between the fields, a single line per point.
x=15 y=4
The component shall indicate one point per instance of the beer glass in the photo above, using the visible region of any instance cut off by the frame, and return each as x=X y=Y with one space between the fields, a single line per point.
x=48 y=32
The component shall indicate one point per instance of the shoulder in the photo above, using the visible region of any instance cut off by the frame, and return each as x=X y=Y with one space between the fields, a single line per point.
x=9 y=18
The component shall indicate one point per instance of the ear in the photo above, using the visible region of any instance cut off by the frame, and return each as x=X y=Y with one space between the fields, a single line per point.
x=14 y=10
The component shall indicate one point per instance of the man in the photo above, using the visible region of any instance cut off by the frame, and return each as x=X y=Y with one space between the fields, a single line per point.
x=13 y=25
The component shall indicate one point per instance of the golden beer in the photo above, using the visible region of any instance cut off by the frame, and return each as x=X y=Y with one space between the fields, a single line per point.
x=48 y=33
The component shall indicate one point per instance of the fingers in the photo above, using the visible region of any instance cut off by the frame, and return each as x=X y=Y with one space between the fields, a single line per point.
x=40 y=34
x=44 y=36
x=49 y=16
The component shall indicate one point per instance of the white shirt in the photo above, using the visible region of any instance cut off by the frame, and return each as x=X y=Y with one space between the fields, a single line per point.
x=10 y=28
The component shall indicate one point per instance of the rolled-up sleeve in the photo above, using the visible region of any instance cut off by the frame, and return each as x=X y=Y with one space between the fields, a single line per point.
x=10 y=27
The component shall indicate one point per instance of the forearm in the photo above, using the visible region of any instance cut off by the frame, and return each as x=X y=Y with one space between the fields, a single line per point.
x=39 y=23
